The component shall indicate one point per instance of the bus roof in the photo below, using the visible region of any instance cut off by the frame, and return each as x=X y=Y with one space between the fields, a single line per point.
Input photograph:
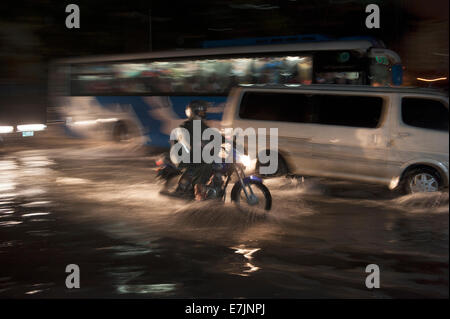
x=298 y=38
x=202 y=52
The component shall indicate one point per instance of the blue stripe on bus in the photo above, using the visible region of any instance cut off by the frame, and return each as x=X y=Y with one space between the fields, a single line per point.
x=151 y=126
x=214 y=116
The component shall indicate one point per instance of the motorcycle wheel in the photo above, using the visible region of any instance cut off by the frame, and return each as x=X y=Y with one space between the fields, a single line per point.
x=172 y=188
x=260 y=191
x=171 y=184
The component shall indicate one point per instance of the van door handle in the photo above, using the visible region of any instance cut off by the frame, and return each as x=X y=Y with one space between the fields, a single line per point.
x=403 y=134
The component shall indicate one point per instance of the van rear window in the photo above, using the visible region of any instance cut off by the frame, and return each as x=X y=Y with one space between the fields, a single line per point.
x=425 y=113
x=327 y=109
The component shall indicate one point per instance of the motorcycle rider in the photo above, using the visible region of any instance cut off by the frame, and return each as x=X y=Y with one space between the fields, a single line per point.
x=200 y=172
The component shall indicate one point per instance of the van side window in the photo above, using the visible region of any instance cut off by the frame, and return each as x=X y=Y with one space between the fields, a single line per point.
x=344 y=110
x=425 y=113
x=282 y=107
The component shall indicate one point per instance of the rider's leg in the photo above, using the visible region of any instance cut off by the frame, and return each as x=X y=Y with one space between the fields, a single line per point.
x=202 y=175
x=199 y=192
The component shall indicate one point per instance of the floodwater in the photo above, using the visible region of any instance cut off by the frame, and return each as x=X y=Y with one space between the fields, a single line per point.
x=98 y=206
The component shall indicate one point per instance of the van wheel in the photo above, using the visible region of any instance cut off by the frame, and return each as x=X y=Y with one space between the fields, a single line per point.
x=282 y=168
x=120 y=132
x=421 y=180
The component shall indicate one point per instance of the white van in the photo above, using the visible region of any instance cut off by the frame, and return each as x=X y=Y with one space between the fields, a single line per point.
x=393 y=136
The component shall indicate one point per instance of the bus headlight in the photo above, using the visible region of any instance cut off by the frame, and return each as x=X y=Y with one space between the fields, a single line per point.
x=6 y=129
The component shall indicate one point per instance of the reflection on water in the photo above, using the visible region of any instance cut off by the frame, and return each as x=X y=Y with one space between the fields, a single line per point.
x=106 y=214
x=154 y=289
x=71 y=180
x=8 y=175
x=10 y=223
x=6 y=210
x=24 y=185
x=127 y=250
x=36 y=204
x=35 y=214
x=124 y=279
x=38 y=288
x=248 y=254
x=36 y=161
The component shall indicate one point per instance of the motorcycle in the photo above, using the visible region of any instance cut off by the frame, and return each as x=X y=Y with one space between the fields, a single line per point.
x=248 y=190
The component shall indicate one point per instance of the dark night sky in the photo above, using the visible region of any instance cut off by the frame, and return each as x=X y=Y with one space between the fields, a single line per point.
x=123 y=26
x=33 y=32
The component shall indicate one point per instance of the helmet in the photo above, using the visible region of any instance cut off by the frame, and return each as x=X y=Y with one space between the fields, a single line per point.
x=196 y=110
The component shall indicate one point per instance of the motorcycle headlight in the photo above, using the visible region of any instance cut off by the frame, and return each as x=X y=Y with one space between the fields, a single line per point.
x=245 y=160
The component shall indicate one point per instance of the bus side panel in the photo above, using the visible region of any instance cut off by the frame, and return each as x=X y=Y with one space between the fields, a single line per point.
x=153 y=116
x=148 y=125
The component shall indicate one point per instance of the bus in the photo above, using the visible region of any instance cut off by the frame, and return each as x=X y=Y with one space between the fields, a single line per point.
x=142 y=97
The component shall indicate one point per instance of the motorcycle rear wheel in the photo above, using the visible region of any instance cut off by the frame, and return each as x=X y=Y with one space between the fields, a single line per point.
x=172 y=188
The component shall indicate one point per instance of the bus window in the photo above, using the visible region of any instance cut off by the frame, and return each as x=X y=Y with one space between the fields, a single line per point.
x=217 y=75
x=266 y=70
x=241 y=69
x=298 y=70
x=355 y=78
x=214 y=75
x=340 y=67
x=278 y=70
x=91 y=79
x=127 y=77
x=380 y=71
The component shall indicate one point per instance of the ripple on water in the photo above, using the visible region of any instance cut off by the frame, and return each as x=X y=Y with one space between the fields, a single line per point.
x=10 y=223
x=436 y=202
x=217 y=214
x=127 y=250
x=153 y=289
x=36 y=204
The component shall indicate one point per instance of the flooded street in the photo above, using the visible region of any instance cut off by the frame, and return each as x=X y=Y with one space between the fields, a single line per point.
x=98 y=206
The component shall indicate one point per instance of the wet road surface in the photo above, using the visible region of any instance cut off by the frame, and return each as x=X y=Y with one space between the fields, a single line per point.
x=98 y=206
